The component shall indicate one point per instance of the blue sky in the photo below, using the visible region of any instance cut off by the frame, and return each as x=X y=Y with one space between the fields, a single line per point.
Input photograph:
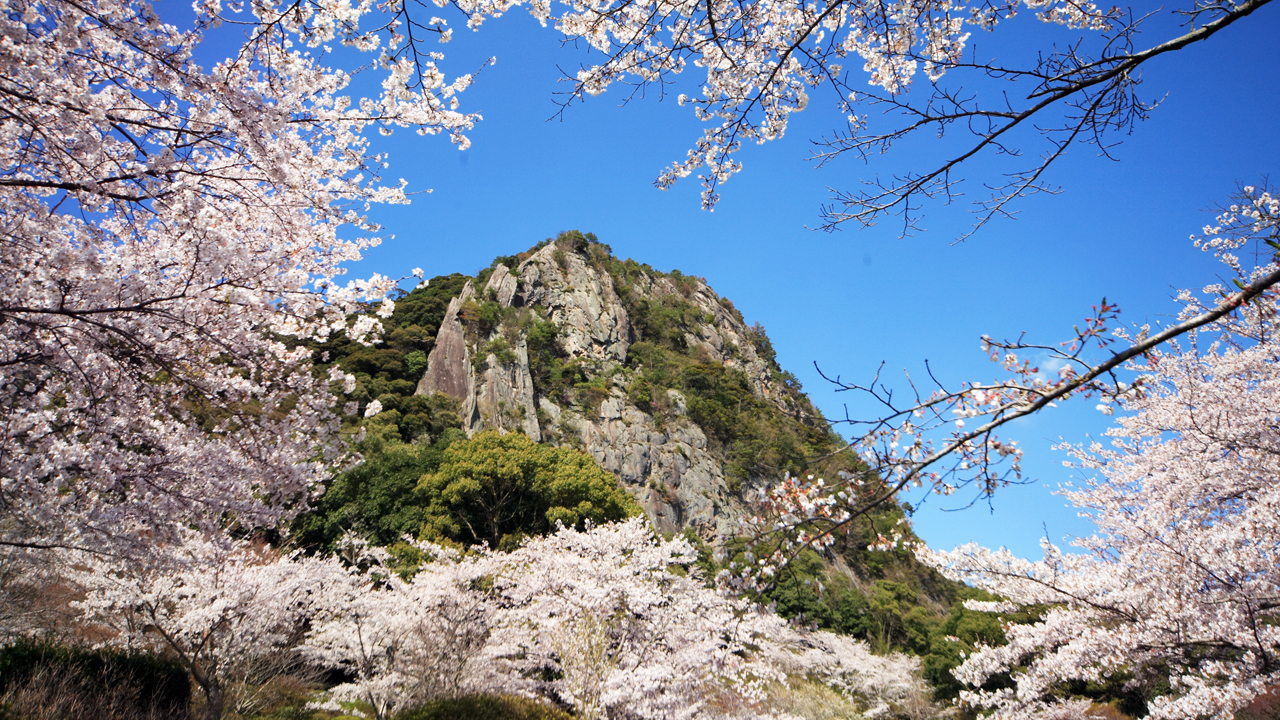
x=850 y=300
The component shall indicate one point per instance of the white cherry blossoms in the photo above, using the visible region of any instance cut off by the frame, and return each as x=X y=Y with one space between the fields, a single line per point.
x=762 y=58
x=611 y=621
x=165 y=225
x=1179 y=584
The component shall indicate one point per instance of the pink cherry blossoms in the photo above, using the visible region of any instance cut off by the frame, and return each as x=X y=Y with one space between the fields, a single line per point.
x=760 y=60
x=1180 y=581
x=611 y=614
x=946 y=440
x=164 y=226
x=611 y=622
x=228 y=611
x=1181 y=577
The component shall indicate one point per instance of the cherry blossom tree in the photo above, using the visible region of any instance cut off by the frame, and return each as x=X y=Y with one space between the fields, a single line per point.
x=220 y=607
x=1180 y=578
x=599 y=610
x=405 y=642
x=164 y=225
x=605 y=610
x=609 y=621
x=760 y=61
x=846 y=664
x=946 y=439
x=1180 y=581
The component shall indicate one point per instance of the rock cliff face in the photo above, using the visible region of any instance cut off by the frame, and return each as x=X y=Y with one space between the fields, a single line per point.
x=482 y=358
x=500 y=391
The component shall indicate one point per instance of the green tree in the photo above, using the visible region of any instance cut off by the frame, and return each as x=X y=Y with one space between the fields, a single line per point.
x=956 y=636
x=499 y=488
x=379 y=498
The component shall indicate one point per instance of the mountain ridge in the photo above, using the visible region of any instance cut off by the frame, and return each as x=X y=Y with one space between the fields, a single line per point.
x=678 y=470
x=660 y=383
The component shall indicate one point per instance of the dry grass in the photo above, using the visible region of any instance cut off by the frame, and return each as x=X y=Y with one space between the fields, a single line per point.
x=55 y=692
x=812 y=701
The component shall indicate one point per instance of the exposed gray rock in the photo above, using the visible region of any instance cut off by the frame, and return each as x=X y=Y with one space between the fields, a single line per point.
x=504 y=395
x=581 y=300
x=667 y=466
x=678 y=403
x=449 y=369
x=503 y=285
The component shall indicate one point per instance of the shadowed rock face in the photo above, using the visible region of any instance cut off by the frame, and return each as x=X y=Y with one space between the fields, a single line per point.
x=449 y=365
x=668 y=467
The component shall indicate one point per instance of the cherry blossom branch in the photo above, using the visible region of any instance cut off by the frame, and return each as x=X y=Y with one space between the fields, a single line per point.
x=760 y=59
x=162 y=227
x=898 y=450
x=1179 y=583
x=1114 y=72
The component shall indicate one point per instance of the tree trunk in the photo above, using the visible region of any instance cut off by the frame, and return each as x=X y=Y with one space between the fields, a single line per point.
x=214 y=700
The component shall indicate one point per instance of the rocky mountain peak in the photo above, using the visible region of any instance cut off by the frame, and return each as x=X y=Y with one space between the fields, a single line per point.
x=648 y=372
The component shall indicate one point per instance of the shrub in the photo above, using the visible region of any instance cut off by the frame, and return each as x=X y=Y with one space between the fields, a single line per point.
x=415 y=362
x=501 y=349
x=378 y=499
x=480 y=318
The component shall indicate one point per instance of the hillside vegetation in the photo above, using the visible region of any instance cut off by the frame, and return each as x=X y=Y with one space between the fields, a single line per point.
x=421 y=477
x=583 y=392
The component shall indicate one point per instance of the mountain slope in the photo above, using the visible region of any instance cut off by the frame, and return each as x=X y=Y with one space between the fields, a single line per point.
x=657 y=379
x=653 y=374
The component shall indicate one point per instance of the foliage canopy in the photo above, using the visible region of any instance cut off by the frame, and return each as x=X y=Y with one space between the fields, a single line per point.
x=498 y=489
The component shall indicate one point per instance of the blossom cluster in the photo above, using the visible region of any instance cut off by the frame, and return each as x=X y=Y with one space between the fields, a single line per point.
x=611 y=622
x=1179 y=582
x=762 y=58
x=1181 y=575
x=164 y=226
x=946 y=440
x=222 y=607
x=616 y=616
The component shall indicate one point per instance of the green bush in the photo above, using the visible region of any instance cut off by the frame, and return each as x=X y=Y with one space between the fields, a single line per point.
x=480 y=317
x=426 y=305
x=415 y=362
x=492 y=488
x=485 y=707
x=546 y=357
x=379 y=498
x=591 y=394
x=664 y=320
x=500 y=348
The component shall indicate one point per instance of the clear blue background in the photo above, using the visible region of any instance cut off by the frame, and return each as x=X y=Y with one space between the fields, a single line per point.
x=848 y=301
